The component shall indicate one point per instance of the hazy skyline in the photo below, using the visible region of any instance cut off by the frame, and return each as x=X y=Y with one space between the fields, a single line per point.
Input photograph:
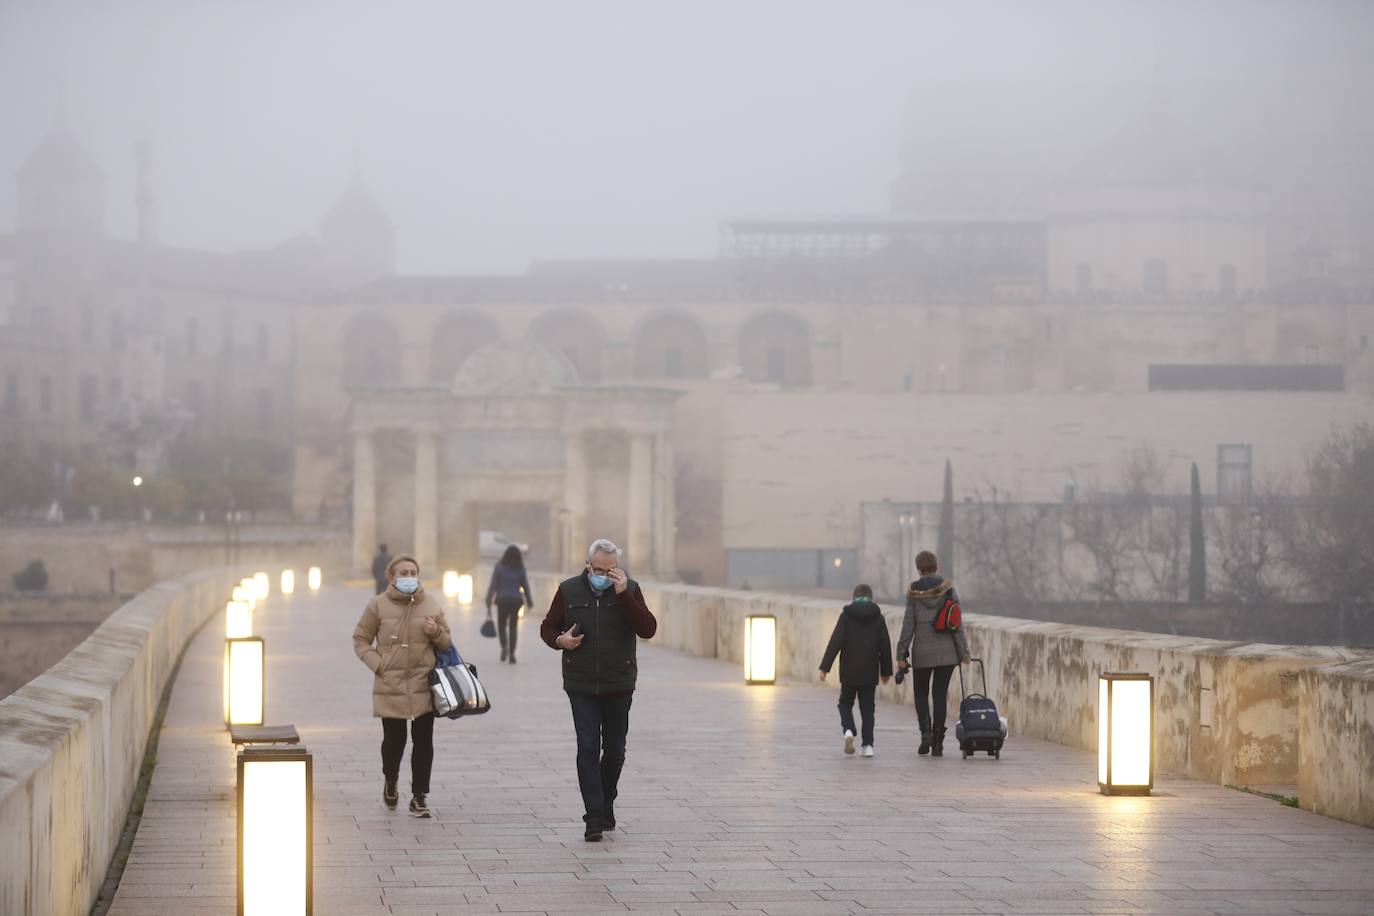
x=495 y=134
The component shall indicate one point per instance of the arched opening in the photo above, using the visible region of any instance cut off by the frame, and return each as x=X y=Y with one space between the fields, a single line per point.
x=371 y=353
x=576 y=335
x=776 y=348
x=670 y=346
x=454 y=339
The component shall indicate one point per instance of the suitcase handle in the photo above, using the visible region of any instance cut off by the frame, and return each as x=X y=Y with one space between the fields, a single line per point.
x=963 y=691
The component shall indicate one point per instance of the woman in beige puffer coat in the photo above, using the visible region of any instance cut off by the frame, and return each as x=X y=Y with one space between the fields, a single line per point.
x=398 y=637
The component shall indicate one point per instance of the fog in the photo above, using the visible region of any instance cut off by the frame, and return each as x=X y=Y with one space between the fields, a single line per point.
x=498 y=133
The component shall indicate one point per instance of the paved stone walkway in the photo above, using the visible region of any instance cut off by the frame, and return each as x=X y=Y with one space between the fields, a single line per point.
x=734 y=800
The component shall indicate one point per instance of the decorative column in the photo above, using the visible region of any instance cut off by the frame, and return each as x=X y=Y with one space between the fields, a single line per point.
x=643 y=554
x=364 y=500
x=665 y=508
x=575 y=495
x=426 y=513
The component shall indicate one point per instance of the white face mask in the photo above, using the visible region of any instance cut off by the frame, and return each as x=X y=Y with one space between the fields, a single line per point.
x=407 y=585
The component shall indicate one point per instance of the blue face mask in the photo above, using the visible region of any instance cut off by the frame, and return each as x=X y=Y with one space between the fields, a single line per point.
x=600 y=583
x=407 y=585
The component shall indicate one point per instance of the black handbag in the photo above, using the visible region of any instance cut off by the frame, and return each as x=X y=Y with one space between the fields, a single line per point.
x=489 y=626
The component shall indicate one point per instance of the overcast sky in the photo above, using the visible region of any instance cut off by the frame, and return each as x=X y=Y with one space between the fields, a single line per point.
x=502 y=131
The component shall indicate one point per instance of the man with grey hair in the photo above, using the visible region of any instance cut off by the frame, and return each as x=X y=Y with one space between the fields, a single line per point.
x=596 y=619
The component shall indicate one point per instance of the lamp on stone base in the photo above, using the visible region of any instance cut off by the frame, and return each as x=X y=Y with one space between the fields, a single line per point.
x=760 y=649
x=245 y=674
x=1125 y=734
x=275 y=831
x=238 y=620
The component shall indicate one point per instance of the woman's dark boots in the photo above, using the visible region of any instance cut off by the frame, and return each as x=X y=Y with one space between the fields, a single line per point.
x=937 y=740
x=924 y=722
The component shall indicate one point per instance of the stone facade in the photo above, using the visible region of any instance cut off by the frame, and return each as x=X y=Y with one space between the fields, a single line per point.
x=787 y=365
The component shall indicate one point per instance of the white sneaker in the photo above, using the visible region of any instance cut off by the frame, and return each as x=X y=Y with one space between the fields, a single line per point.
x=848 y=741
x=868 y=750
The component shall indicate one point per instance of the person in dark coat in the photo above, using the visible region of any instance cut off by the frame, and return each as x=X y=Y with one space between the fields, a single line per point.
x=595 y=620
x=861 y=641
x=511 y=589
x=930 y=654
x=380 y=562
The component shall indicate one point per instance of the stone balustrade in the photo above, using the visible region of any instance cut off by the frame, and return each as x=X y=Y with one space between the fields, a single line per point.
x=72 y=742
x=1227 y=712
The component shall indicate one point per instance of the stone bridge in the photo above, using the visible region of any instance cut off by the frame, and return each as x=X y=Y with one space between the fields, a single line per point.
x=735 y=799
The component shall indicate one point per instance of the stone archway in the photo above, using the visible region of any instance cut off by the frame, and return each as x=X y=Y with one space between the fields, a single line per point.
x=775 y=347
x=456 y=337
x=577 y=336
x=670 y=345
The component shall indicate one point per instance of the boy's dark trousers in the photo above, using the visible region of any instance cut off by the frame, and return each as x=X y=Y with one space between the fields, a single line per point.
x=865 y=695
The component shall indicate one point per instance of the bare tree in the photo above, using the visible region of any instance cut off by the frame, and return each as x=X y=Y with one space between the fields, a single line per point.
x=1329 y=543
x=1007 y=548
x=1244 y=539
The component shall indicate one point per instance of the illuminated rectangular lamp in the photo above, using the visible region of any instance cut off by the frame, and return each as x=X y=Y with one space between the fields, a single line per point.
x=465 y=590
x=261 y=586
x=315 y=578
x=288 y=581
x=238 y=620
x=244 y=594
x=450 y=583
x=245 y=673
x=760 y=649
x=275 y=832
x=1125 y=734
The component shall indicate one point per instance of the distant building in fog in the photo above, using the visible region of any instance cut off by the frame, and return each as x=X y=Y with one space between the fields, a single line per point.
x=824 y=362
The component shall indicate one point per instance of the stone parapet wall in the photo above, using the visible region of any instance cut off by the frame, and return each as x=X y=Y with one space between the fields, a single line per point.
x=72 y=743
x=79 y=558
x=1226 y=712
x=1336 y=725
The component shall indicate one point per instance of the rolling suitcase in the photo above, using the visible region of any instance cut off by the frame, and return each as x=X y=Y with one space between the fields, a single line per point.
x=979 y=728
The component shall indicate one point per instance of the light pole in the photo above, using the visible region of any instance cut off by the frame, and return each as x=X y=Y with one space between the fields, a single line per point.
x=138 y=491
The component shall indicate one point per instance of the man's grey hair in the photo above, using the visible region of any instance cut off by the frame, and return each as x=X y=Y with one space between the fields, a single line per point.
x=601 y=545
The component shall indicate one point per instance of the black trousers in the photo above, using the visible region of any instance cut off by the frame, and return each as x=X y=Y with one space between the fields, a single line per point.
x=421 y=750
x=931 y=686
x=508 y=622
x=865 y=694
x=601 y=724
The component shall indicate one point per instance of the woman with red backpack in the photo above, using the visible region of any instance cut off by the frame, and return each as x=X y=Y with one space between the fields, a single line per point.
x=931 y=644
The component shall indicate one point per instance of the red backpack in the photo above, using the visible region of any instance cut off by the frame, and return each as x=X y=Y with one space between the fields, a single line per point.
x=950 y=617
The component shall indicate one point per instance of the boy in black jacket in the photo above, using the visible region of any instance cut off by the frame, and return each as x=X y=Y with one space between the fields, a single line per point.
x=865 y=649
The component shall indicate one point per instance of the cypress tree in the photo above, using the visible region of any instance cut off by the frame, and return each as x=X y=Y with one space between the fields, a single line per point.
x=1197 y=548
x=944 y=549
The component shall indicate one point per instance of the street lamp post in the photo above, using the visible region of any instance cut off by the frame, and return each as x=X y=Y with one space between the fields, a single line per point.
x=906 y=525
